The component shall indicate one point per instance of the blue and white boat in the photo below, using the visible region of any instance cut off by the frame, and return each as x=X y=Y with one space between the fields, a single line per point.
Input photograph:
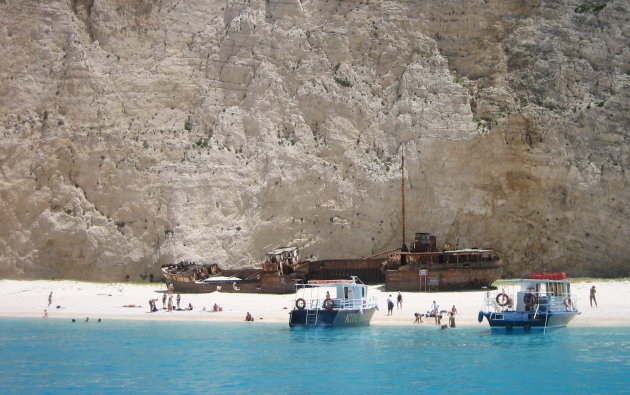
x=332 y=304
x=536 y=304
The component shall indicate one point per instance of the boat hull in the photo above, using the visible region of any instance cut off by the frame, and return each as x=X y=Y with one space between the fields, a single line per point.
x=322 y=318
x=408 y=278
x=527 y=321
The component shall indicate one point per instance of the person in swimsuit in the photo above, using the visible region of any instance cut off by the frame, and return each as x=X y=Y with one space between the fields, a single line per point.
x=592 y=297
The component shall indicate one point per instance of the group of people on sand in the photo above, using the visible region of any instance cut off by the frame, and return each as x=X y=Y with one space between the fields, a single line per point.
x=436 y=313
x=167 y=303
x=169 y=306
x=49 y=303
x=390 y=303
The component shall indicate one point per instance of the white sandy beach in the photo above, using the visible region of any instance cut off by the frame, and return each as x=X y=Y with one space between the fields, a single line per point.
x=73 y=299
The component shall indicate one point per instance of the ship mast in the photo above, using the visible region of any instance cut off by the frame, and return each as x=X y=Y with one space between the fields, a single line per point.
x=402 y=193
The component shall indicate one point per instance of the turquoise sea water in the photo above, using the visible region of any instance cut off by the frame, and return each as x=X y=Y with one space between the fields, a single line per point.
x=58 y=356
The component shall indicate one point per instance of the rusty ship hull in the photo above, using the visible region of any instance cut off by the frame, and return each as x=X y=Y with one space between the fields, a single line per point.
x=370 y=271
x=278 y=275
x=443 y=276
x=424 y=268
x=232 y=281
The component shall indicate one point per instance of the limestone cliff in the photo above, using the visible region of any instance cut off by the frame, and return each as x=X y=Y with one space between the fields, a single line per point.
x=141 y=132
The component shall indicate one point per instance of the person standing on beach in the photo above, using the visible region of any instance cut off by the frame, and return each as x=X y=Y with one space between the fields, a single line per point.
x=45 y=314
x=434 y=310
x=170 y=303
x=50 y=299
x=399 y=301
x=451 y=317
x=164 y=301
x=179 y=297
x=390 y=305
x=593 y=299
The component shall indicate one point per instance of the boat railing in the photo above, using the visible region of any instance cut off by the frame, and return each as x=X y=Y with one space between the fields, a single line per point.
x=491 y=304
x=544 y=301
x=551 y=302
x=341 y=303
x=564 y=302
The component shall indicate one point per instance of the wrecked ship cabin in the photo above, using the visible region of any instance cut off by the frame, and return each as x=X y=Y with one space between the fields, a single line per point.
x=425 y=268
x=281 y=270
x=191 y=277
x=276 y=276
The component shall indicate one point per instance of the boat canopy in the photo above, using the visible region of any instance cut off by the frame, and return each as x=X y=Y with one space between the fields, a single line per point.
x=221 y=278
x=548 y=276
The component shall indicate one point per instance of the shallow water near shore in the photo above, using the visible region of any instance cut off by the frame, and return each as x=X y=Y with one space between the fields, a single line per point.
x=58 y=356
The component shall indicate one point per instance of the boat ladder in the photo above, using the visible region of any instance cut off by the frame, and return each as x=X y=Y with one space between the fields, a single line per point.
x=311 y=317
x=546 y=317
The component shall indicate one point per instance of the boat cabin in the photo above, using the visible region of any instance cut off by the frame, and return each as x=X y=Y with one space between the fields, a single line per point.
x=343 y=294
x=541 y=291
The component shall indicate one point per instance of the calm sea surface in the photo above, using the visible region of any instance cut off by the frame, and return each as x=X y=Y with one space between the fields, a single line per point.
x=58 y=356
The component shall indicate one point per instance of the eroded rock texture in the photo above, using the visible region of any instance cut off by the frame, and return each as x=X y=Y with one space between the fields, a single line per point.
x=142 y=132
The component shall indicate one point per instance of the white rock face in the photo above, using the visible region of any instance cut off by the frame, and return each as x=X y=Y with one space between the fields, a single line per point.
x=141 y=132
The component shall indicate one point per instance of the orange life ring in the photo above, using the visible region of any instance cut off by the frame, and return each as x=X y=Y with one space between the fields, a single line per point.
x=300 y=304
x=567 y=302
x=502 y=299
x=329 y=304
x=530 y=299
